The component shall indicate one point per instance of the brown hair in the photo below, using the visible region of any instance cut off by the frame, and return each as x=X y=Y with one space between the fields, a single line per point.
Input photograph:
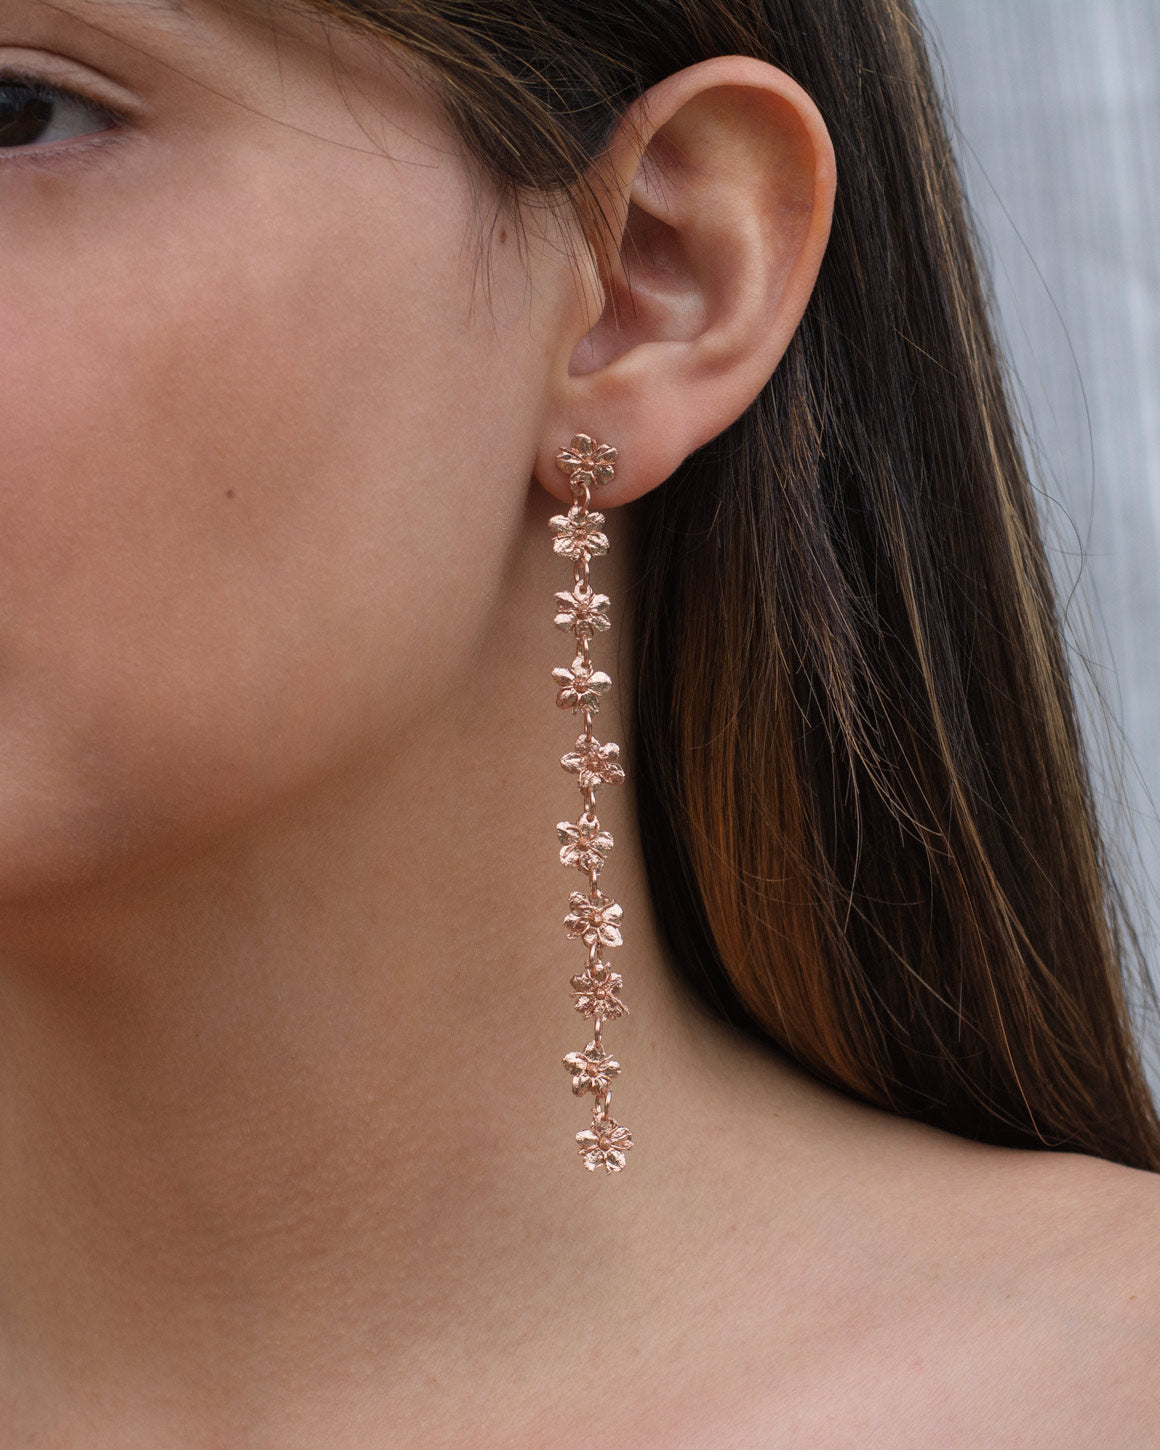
x=864 y=799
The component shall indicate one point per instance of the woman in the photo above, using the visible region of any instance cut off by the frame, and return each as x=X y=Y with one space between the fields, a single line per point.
x=300 y=306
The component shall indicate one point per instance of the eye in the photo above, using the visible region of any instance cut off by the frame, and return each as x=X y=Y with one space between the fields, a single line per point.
x=32 y=110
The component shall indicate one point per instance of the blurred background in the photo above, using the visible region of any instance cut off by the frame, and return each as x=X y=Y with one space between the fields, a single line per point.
x=1055 y=115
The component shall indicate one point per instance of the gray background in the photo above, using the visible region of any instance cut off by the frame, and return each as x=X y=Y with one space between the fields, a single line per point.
x=1055 y=112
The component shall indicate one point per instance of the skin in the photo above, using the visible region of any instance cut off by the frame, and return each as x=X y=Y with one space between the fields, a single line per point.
x=288 y=1151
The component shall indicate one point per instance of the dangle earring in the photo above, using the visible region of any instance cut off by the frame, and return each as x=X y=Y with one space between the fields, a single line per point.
x=593 y=916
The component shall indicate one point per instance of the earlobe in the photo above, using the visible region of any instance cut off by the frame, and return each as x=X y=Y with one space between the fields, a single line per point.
x=721 y=182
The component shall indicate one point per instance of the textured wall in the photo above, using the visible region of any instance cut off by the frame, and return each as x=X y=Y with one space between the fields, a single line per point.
x=1056 y=109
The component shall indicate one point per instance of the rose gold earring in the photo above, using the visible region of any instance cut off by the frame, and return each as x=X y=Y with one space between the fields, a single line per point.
x=593 y=916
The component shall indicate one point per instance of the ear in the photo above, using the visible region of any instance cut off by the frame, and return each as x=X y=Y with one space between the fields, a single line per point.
x=719 y=188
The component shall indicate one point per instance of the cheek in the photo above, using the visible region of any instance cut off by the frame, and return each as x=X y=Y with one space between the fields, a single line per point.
x=243 y=462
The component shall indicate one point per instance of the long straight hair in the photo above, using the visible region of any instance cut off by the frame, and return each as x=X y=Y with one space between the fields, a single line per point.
x=864 y=799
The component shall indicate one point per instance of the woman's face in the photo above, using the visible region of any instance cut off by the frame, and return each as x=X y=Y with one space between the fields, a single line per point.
x=262 y=413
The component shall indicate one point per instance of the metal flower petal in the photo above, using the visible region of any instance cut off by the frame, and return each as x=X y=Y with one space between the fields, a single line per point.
x=604 y=1145
x=581 y=686
x=583 y=844
x=595 y=764
x=596 y=918
x=595 y=991
x=587 y=462
x=592 y=1070
x=582 y=611
x=578 y=533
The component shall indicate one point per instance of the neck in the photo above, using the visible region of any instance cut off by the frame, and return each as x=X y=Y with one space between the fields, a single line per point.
x=287 y=1117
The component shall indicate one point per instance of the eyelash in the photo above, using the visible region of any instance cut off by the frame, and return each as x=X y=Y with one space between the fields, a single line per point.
x=57 y=152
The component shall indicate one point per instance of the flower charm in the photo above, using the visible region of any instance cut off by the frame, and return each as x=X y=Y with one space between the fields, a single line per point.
x=595 y=991
x=604 y=1145
x=595 y=918
x=582 y=611
x=587 y=462
x=595 y=764
x=592 y=1070
x=578 y=533
x=583 y=843
x=581 y=686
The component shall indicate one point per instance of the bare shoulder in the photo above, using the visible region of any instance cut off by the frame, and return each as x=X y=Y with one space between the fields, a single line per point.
x=1104 y=1219
x=1101 y=1226
x=1018 y=1305
x=943 y=1292
x=1077 y=1243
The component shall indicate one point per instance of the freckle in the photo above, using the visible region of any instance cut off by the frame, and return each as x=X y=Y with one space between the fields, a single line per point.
x=502 y=235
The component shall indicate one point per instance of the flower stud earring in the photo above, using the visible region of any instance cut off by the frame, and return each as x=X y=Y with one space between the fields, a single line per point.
x=594 y=918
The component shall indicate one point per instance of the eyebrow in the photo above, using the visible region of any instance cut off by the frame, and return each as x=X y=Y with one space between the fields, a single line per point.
x=128 y=7
x=181 y=8
x=186 y=13
x=178 y=6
